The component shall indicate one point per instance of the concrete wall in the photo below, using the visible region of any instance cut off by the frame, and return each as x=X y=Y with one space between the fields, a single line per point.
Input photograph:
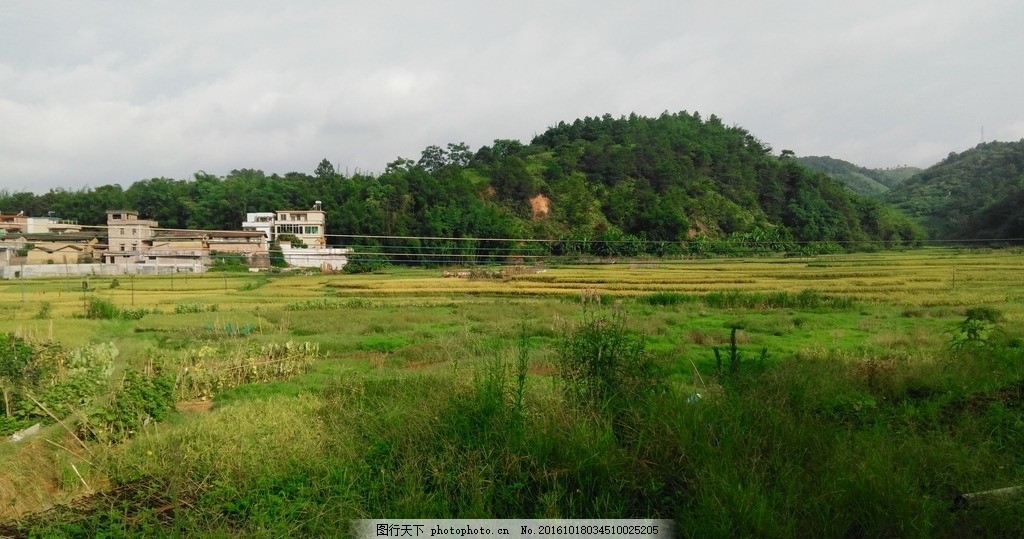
x=328 y=258
x=61 y=270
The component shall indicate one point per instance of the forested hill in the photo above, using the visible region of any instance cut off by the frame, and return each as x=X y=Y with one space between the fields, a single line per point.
x=978 y=194
x=860 y=180
x=622 y=180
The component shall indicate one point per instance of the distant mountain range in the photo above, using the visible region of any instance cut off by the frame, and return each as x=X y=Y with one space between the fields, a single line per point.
x=977 y=194
x=869 y=182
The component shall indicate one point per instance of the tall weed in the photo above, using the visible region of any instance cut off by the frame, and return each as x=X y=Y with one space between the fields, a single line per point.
x=603 y=364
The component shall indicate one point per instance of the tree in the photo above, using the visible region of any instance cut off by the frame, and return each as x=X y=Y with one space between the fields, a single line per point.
x=433 y=159
x=459 y=154
x=325 y=170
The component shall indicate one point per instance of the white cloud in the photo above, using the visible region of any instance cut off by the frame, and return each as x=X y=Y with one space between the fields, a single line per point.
x=113 y=92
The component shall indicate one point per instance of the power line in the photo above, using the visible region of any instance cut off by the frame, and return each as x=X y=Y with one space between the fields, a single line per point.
x=579 y=240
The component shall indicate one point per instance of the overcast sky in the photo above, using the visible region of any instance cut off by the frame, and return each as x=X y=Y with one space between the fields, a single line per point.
x=102 y=92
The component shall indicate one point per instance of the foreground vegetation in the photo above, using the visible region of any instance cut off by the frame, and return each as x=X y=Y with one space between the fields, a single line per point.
x=835 y=396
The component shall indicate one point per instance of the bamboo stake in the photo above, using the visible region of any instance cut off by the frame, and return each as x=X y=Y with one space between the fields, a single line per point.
x=77 y=456
x=61 y=423
x=699 y=377
x=80 y=478
x=979 y=498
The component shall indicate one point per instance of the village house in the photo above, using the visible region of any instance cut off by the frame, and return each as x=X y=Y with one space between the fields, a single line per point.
x=302 y=236
x=308 y=227
x=49 y=248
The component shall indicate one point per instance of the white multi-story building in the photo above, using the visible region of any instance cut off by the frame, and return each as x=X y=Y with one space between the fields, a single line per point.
x=37 y=225
x=308 y=226
x=260 y=222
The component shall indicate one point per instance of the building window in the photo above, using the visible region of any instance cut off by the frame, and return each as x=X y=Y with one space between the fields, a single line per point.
x=135 y=232
x=122 y=246
x=312 y=230
x=122 y=232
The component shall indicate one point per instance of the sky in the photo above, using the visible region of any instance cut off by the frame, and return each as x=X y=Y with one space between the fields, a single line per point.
x=103 y=92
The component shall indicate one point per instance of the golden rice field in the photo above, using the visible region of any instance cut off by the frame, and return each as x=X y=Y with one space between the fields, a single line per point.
x=922 y=278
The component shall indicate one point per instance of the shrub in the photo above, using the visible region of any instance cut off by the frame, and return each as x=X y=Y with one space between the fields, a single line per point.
x=44 y=311
x=186 y=308
x=975 y=331
x=228 y=262
x=364 y=264
x=15 y=358
x=140 y=399
x=277 y=256
x=603 y=364
x=62 y=381
x=24 y=250
x=101 y=309
x=134 y=314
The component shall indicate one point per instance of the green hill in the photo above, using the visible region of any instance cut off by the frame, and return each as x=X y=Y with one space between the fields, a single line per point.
x=978 y=194
x=598 y=185
x=860 y=180
x=678 y=174
x=892 y=177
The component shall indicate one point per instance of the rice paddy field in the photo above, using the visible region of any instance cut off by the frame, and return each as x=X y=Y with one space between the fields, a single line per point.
x=856 y=395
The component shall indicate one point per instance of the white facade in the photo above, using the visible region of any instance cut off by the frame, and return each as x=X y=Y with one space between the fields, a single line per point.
x=260 y=222
x=309 y=226
x=325 y=258
x=306 y=225
x=37 y=225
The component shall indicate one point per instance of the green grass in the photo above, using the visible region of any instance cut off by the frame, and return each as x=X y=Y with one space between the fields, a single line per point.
x=864 y=420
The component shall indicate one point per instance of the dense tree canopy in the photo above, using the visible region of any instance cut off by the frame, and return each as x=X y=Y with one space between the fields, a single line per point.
x=860 y=180
x=976 y=194
x=633 y=182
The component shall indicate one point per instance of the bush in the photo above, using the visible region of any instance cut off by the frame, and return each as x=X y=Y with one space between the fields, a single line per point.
x=134 y=314
x=364 y=264
x=604 y=365
x=44 y=311
x=228 y=262
x=62 y=381
x=980 y=324
x=15 y=357
x=277 y=256
x=140 y=399
x=186 y=308
x=101 y=309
